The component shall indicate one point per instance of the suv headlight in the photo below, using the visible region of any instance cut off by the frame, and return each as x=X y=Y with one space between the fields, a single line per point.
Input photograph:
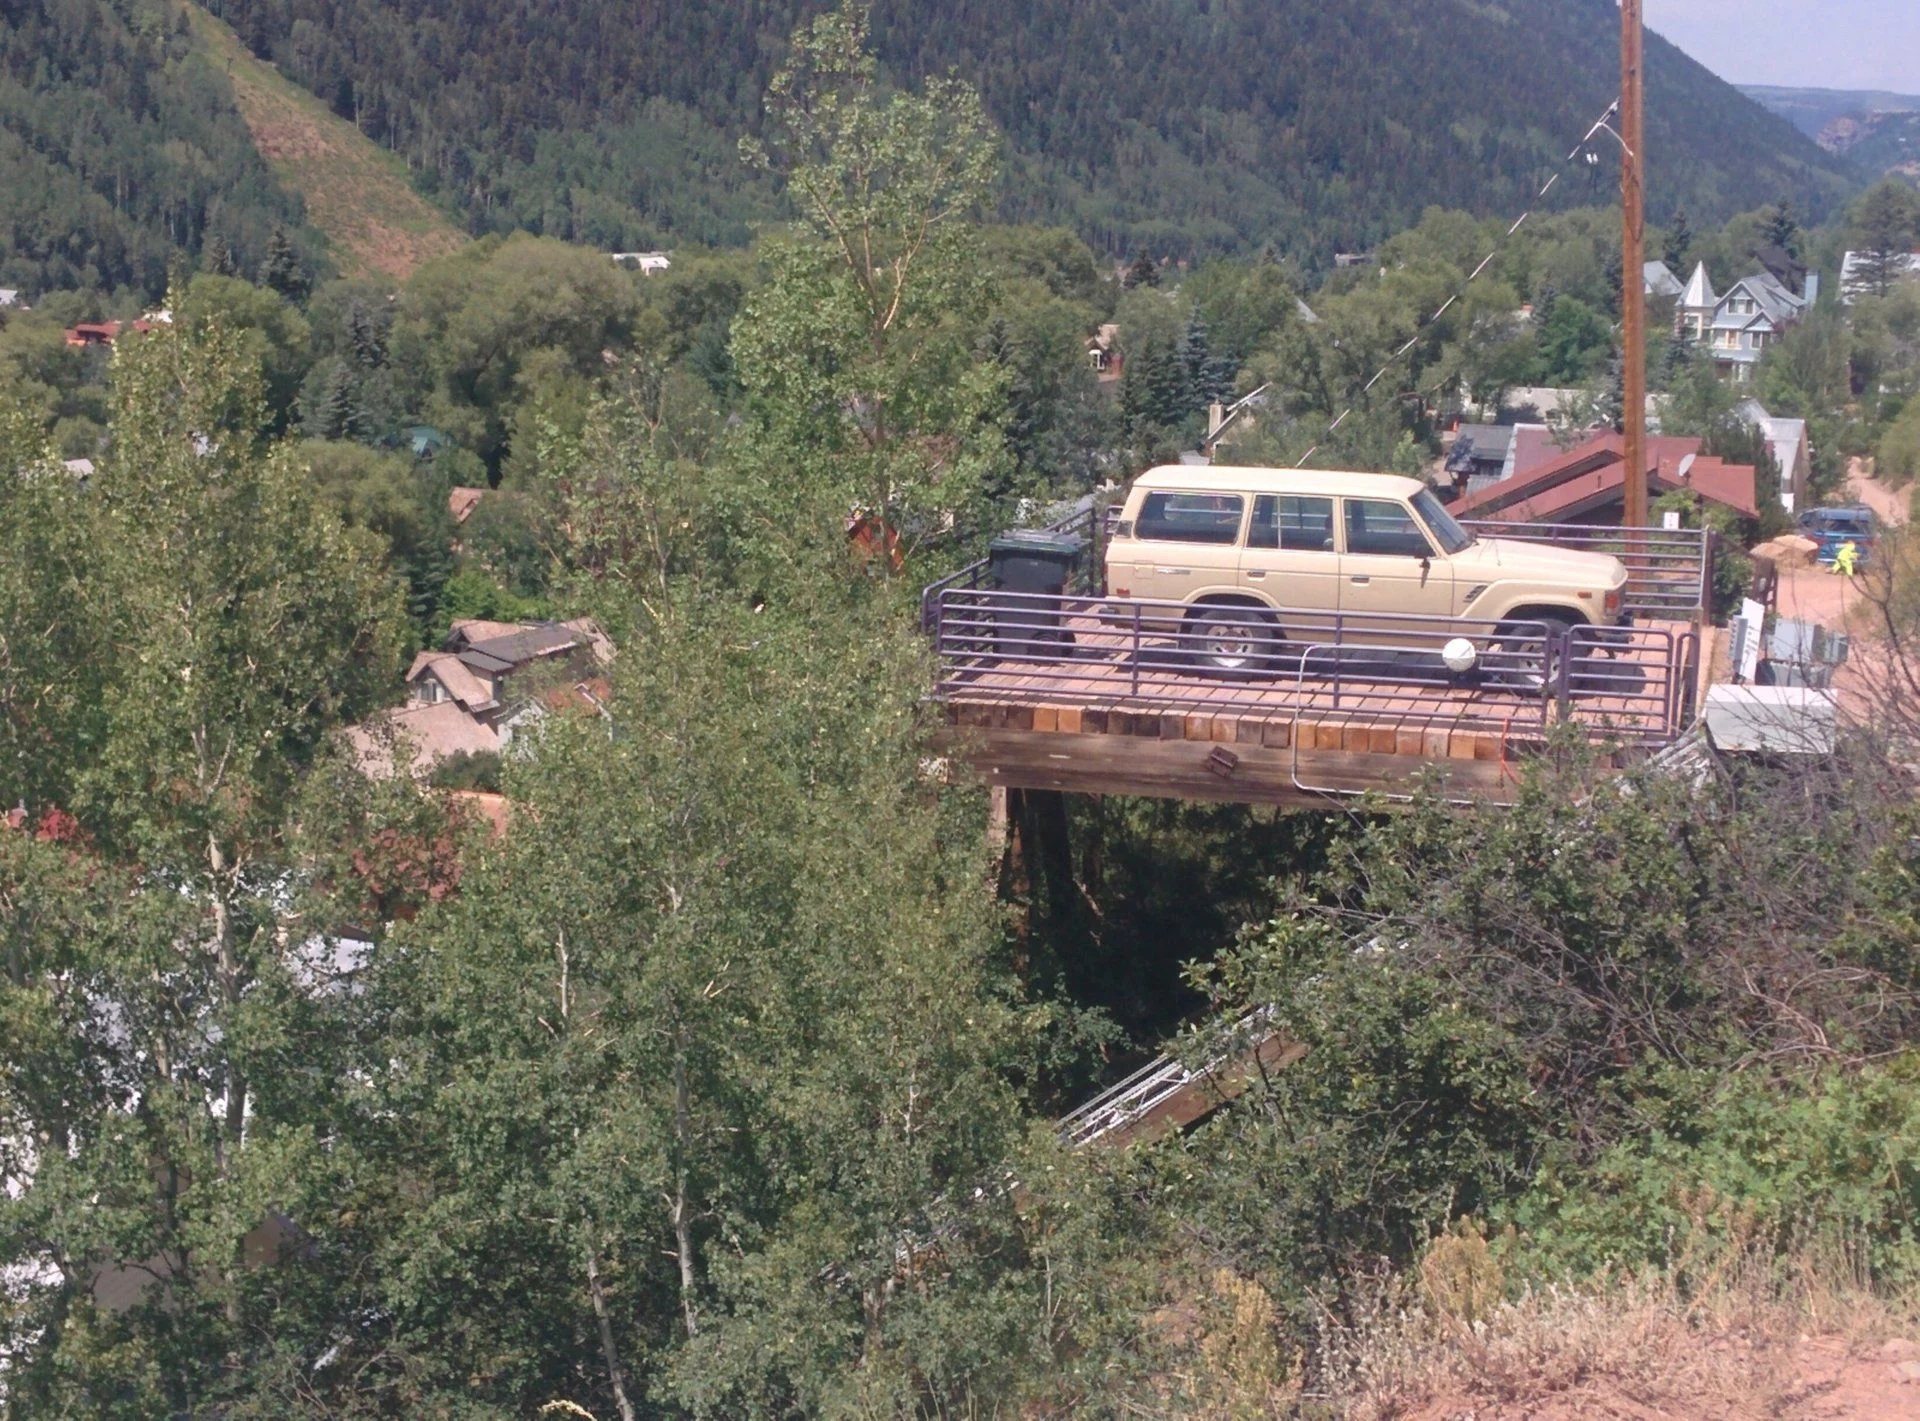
x=1616 y=600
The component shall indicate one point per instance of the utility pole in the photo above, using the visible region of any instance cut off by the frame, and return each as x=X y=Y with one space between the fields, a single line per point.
x=1633 y=304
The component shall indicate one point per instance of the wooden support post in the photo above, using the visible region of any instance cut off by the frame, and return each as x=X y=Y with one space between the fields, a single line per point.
x=1633 y=281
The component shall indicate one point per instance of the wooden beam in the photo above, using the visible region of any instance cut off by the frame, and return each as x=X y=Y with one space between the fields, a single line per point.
x=1241 y=772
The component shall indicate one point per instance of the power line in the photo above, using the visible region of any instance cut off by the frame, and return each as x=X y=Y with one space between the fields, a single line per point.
x=1518 y=223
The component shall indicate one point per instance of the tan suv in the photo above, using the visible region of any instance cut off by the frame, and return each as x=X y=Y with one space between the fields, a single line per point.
x=1226 y=540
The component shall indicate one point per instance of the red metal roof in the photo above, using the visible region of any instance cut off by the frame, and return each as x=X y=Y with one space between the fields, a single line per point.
x=1591 y=476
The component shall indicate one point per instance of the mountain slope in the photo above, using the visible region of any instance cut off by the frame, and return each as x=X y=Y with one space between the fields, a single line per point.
x=1174 y=125
x=120 y=145
x=1876 y=131
x=357 y=194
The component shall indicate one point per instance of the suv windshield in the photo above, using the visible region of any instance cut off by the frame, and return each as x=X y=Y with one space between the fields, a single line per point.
x=1450 y=535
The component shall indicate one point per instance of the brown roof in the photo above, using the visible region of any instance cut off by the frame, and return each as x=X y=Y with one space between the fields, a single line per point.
x=462 y=501
x=420 y=736
x=466 y=630
x=1592 y=476
x=448 y=669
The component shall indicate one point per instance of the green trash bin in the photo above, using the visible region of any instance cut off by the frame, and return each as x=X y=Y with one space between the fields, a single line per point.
x=1040 y=564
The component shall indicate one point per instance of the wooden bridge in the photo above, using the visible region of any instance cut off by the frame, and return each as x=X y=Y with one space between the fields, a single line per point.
x=1082 y=693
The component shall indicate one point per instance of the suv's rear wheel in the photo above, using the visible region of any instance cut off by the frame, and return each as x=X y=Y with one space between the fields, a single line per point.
x=1231 y=639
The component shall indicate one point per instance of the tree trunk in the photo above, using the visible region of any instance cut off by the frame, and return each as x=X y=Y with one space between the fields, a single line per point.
x=682 y=1211
x=228 y=974
x=615 y=1372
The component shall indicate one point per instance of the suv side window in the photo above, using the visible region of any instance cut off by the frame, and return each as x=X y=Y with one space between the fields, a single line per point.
x=1190 y=518
x=1292 y=523
x=1378 y=526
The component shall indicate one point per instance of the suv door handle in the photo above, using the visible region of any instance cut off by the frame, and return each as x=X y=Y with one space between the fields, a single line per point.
x=1360 y=581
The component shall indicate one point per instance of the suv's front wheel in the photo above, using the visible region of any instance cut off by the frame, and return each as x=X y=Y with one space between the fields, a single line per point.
x=1529 y=660
x=1231 y=639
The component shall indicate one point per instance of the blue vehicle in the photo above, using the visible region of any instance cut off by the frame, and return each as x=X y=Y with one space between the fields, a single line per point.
x=1830 y=527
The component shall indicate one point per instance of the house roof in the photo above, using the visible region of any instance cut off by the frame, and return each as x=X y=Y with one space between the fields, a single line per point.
x=453 y=673
x=418 y=737
x=462 y=501
x=1533 y=445
x=1699 y=293
x=463 y=631
x=1490 y=441
x=1774 y=301
x=1661 y=281
x=1592 y=475
x=522 y=644
x=1787 y=438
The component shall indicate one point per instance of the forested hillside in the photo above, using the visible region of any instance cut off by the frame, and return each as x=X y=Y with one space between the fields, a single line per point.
x=120 y=144
x=1177 y=126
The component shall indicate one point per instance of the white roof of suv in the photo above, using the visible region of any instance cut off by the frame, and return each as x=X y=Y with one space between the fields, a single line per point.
x=1227 y=478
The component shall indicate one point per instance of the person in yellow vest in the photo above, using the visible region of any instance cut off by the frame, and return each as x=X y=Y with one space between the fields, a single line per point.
x=1844 y=558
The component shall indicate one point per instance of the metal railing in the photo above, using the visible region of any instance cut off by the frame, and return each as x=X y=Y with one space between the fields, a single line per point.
x=1091 y=520
x=1163 y=1081
x=1669 y=570
x=1627 y=683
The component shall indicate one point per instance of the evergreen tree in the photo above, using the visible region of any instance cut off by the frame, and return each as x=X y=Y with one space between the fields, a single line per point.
x=1679 y=243
x=1142 y=272
x=340 y=415
x=1135 y=409
x=1208 y=377
x=1021 y=426
x=1675 y=359
x=1885 y=223
x=365 y=338
x=216 y=257
x=1611 y=408
x=1169 y=391
x=281 y=269
x=1779 y=228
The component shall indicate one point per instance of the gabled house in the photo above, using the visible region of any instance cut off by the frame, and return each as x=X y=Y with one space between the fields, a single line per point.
x=1738 y=325
x=1787 y=442
x=1103 y=352
x=646 y=263
x=1587 y=483
x=486 y=680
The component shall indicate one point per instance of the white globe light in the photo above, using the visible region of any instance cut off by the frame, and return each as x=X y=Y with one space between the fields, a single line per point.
x=1459 y=654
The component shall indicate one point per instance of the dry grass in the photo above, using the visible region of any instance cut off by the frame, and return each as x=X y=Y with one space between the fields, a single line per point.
x=356 y=192
x=1743 y=1337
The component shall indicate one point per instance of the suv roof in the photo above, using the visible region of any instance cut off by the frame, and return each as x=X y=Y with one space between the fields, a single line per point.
x=1846 y=513
x=1227 y=478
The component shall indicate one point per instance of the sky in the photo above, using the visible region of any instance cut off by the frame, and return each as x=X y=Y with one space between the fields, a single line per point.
x=1814 y=44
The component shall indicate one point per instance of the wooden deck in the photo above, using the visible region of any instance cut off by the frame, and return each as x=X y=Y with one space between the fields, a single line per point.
x=1117 y=717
